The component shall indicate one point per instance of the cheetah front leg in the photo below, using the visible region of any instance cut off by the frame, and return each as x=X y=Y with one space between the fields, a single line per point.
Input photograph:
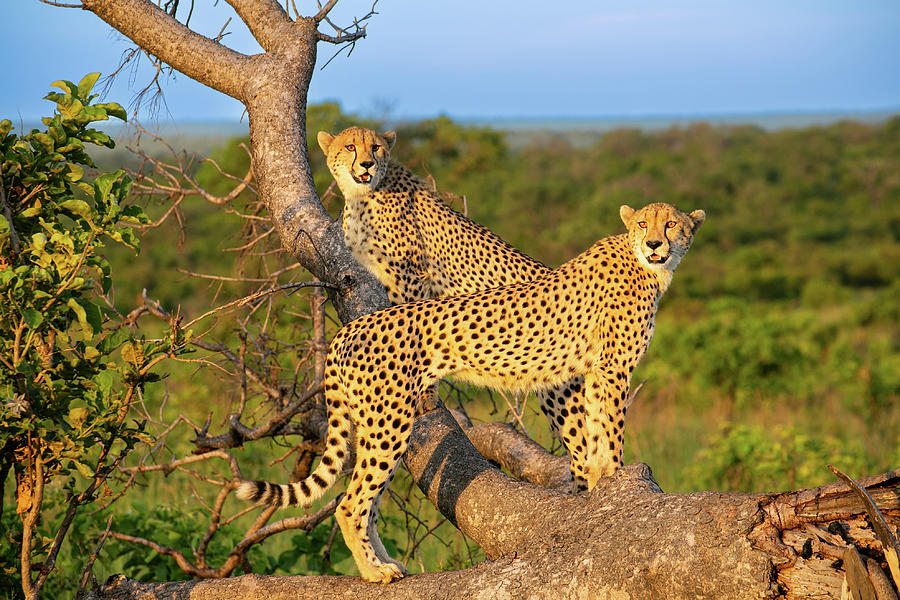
x=564 y=408
x=606 y=390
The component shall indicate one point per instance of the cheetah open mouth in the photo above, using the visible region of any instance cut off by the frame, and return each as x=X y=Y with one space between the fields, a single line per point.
x=657 y=259
x=362 y=178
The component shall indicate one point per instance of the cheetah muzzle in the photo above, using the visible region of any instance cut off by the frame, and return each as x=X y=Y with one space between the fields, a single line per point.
x=593 y=316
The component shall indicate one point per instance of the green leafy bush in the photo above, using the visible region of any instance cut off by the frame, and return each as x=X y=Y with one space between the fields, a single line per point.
x=753 y=458
x=70 y=366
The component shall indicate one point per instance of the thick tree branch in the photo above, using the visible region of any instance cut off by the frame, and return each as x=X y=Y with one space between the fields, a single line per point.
x=480 y=500
x=155 y=31
x=524 y=458
x=266 y=20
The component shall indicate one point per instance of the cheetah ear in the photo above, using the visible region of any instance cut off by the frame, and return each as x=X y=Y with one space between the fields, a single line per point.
x=325 y=140
x=698 y=216
x=390 y=137
x=626 y=212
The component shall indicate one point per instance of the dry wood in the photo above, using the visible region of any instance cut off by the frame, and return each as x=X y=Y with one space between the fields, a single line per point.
x=888 y=542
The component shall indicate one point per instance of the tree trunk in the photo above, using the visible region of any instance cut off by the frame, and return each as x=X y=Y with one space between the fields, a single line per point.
x=626 y=539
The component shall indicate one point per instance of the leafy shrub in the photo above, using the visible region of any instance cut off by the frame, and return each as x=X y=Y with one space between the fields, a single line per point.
x=64 y=394
x=753 y=458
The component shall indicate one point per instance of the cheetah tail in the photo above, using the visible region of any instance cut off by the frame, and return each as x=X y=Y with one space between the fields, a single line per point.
x=305 y=492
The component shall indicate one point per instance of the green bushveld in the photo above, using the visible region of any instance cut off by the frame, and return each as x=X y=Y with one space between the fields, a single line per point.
x=776 y=349
x=784 y=314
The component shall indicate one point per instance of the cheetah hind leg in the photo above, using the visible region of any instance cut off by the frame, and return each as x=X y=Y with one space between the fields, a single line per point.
x=372 y=530
x=374 y=468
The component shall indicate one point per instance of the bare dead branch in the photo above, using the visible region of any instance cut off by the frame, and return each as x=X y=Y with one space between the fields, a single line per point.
x=631 y=397
x=239 y=433
x=324 y=10
x=86 y=573
x=186 y=460
x=307 y=523
x=878 y=524
x=61 y=5
x=252 y=297
x=152 y=29
x=241 y=279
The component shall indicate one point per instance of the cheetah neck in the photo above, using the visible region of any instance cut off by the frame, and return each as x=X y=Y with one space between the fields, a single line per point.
x=663 y=277
x=398 y=178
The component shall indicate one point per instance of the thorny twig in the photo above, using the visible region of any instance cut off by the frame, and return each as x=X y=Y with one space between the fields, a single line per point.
x=343 y=35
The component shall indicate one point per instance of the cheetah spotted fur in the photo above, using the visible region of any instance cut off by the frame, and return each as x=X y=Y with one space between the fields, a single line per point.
x=593 y=316
x=420 y=248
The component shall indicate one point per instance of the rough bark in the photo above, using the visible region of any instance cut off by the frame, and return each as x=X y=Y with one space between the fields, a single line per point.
x=625 y=540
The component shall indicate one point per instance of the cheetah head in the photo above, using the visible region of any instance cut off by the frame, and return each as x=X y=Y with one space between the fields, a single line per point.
x=660 y=234
x=357 y=158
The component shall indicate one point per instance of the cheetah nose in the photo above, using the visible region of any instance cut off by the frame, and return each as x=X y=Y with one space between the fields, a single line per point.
x=654 y=244
x=367 y=164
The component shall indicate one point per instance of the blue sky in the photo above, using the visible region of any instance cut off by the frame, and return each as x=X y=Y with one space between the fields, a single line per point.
x=519 y=59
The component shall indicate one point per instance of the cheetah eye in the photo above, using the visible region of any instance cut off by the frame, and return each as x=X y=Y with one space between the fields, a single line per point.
x=671 y=224
x=375 y=148
x=350 y=147
x=642 y=224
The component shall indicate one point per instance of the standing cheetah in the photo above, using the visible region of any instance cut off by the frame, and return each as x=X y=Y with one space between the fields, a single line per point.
x=420 y=248
x=593 y=316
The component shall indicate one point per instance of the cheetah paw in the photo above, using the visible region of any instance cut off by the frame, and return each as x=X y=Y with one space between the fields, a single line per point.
x=384 y=572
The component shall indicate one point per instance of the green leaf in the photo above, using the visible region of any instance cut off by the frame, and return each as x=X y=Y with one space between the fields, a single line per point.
x=89 y=316
x=114 y=109
x=39 y=240
x=104 y=381
x=66 y=86
x=83 y=469
x=78 y=207
x=72 y=110
x=80 y=314
x=134 y=214
x=113 y=341
x=87 y=84
x=94 y=316
x=77 y=417
x=134 y=354
x=33 y=318
x=44 y=141
x=76 y=172
x=104 y=183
